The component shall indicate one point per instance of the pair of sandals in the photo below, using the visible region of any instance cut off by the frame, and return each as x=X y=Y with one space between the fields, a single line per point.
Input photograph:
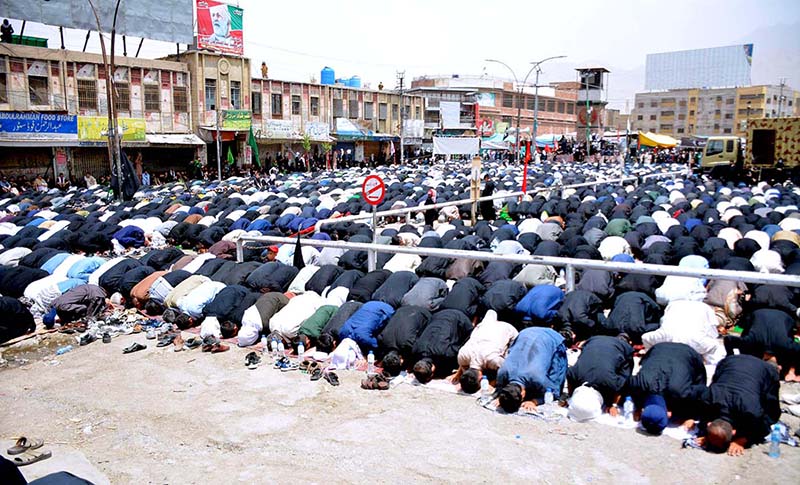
x=27 y=451
x=376 y=382
x=212 y=344
x=285 y=365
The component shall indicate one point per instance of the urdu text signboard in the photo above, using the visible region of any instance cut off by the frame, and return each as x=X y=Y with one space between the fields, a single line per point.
x=15 y=125
x=95 y=128
x=236 y=119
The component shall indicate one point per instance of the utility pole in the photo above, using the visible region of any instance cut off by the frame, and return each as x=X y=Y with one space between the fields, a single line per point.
x=219 y=157
x=113 y=139
x=588 y=119
x=400 y=79
x=780 y=98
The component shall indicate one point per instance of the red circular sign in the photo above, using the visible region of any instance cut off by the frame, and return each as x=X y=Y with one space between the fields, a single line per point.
x=373 y=190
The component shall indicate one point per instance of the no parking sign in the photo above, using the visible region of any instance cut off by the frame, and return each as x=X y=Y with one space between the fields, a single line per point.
x=373 y=190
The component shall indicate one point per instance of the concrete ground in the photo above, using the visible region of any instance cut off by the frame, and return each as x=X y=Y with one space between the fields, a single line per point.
x=157 y=416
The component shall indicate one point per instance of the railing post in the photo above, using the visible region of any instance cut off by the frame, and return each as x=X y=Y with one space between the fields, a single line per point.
x=239 y=250
x=569 y=271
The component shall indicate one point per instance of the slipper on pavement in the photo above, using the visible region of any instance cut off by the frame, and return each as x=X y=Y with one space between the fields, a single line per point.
x=24 y=444
x=31 y=456
x=106 y=338
x=332 y=378
x=316 y=374
x=134 y=347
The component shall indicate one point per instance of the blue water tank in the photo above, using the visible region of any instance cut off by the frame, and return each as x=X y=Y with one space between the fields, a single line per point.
x=327 y=76
x=355 y=82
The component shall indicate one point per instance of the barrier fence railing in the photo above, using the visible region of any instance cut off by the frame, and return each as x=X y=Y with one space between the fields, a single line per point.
x=421 y=208
x=570 y=265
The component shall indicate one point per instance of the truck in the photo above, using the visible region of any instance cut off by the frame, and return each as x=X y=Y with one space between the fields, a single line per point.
x=770 y=151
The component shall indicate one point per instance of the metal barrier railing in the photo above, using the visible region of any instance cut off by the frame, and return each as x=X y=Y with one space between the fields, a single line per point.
x=569 y=264
x=421 y=208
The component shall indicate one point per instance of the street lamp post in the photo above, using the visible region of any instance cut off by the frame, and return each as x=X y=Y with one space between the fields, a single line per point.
x=536 y=97
x=520 y=86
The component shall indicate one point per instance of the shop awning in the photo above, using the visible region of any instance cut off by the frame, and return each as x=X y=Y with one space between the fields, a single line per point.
x=175 y=139
x=651 y=139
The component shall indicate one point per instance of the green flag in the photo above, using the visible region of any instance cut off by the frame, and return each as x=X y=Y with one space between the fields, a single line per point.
x=230 y=156
x=251 y=140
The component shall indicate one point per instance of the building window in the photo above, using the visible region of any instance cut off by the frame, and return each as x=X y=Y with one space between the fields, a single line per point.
x=508 y=100
x=654 y=104
x=236 y=94
x=277 y=105
x=338 y=108
x=38 y=89
x=123 y=101
x=726 y=130
x=255 y=102
x=652 y=117
x=369 y=110
x=680 y=130
x=352 y=109
x=729 y=101
x=180 y=99
x=87 y=93
x=728 y=116
x=296 y=104
x=667 y=113
x=716 y=127
x=640 y=105
x=395 y=110
x=551 y=106
x=383 y=108
x=682 y=103
x=639 y=118
x=691 y=112
x=152 y=98
x=418 y=110
x=314 y=106
x=211 y=94
x=681 y=117
x=560 y=106
x=570 y=109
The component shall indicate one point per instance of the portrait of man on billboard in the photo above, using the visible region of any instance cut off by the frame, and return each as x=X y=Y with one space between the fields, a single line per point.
x=221 y=21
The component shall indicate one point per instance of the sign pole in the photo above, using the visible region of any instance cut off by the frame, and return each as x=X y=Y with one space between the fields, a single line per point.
x=219 y=159
x=372 y=256
x=373 y=190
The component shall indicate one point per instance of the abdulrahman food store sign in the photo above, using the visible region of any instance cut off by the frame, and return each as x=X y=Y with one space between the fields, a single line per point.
x=37 y=126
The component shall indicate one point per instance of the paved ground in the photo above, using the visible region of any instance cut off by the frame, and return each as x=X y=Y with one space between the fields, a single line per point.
x=162 y=417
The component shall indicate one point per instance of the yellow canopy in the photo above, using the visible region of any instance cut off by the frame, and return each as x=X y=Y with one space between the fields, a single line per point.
x=651 y=139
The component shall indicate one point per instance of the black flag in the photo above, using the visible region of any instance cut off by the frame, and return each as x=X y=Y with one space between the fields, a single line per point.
x=298 y=255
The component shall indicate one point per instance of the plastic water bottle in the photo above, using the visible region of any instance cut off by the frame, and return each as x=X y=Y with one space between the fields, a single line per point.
x=485 y=397
x=775 y=441
x=64 y=350
x=370 y=363
x=627 y=409
x=301 y=349
x=548 y=397
x=264 y=346
x=281 y=349
x=273 y=346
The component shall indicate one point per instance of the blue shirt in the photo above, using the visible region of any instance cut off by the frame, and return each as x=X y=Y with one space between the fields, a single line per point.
x=537 y=361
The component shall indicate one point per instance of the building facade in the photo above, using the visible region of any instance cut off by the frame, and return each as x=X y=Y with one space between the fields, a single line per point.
x=54 y=113
x=54 y=109
x=705 y=112
x=484 y=106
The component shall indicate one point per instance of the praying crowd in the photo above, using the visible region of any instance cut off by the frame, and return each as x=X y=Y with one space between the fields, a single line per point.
x=707 y=355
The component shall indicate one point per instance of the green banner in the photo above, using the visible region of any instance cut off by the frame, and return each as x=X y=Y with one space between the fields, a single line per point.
x=238 y=119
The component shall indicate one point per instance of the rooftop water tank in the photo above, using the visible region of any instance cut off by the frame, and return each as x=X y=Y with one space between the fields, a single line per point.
x=327 y=76
x=355 y=82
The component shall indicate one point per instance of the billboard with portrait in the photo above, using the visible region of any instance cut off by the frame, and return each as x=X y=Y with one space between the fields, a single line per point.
x=219 y=27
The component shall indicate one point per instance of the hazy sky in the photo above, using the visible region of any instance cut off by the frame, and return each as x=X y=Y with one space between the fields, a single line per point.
x=374 y=39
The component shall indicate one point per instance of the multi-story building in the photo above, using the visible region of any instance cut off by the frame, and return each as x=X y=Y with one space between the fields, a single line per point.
x=54 y=112
x=54 y=109
x=705 y=112
x=482 y=105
